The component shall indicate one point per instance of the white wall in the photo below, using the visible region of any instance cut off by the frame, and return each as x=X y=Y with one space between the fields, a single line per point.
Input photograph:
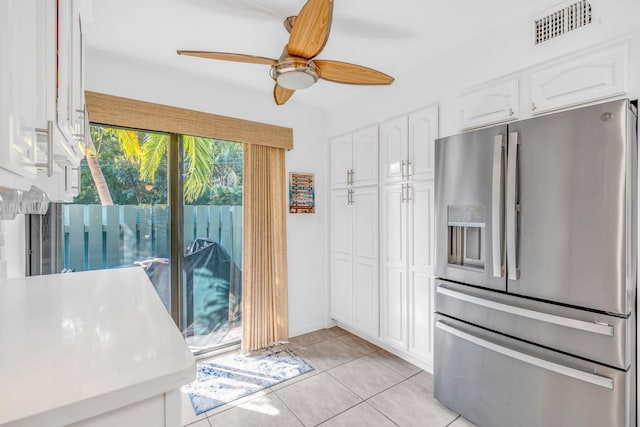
x=307 y=252
x=498 y=53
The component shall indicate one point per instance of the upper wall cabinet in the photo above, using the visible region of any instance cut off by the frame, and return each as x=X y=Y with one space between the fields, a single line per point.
x=591 y=76
x=70 y=91
x=423 y=132
x=494 y=103
x=42 y=96
x=18 y=62
x=354 y=158
x=406 y=144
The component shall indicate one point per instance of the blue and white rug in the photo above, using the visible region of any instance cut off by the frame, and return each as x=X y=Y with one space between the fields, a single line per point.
x=231 y=377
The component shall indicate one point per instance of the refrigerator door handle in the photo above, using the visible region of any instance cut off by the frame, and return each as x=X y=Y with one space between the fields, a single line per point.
x=587 y=377
x=496 y=212
x=596 y=328
x=512 y=208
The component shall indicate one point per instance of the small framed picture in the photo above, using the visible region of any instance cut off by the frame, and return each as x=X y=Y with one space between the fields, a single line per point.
x=301 y=193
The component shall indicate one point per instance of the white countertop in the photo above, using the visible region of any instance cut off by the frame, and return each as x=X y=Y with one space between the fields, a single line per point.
x=79 y=344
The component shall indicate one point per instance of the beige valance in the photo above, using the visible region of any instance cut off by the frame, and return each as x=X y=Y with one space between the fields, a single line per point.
x=130 y=113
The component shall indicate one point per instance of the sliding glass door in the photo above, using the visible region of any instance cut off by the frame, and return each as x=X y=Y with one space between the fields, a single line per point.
x=212 y=240
x=172 y=205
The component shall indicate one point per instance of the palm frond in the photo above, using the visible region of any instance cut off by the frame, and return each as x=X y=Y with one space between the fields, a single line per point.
x=153 y=151
x=199 y=156
x=130 y=144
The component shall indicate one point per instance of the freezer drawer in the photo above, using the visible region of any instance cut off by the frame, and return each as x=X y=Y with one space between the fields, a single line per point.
x=497 y=381
x=595 y=336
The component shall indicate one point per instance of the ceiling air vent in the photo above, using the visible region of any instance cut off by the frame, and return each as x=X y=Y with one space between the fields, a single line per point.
x=562 y=21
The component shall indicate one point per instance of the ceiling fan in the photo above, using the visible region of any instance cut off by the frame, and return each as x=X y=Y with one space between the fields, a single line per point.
x=296 y=69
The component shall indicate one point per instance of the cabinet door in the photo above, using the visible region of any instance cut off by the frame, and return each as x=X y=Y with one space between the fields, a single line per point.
x=421 y=315
x=589 y=77
x=421 y=213
x=365 y=156
x=18 y=56
x=341 y=155
x=365 y=251
x=341 y=257
x=393 y=289
x=393 y=146
x=423 y=131
x=70 y=96
x=77 y=74
x=491 y=104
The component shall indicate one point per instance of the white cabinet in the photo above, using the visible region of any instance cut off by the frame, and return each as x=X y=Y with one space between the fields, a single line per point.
x=354 y=158
x=406 y=144
x=407 y=270
x=354 y=258
x=493 y=103
x=17 y=92
x=60 y=90
x=590 y=76
x=354 y=230
x=71 y=116
x=42 y=121
x=406 y=231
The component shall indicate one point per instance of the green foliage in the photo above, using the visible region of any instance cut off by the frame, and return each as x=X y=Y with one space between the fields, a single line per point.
x=134 y=164
x=198 y=156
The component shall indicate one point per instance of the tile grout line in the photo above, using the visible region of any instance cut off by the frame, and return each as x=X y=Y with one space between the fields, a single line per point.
x=454 y=420
x=287 y=406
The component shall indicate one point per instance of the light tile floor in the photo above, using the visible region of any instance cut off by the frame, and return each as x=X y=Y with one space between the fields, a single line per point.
x=355 y=383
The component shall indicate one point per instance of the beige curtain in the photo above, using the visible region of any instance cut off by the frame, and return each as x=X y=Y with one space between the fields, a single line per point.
x=264 y=278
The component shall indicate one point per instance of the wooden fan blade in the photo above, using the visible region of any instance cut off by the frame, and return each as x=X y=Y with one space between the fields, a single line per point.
x=343 y=72
x=281 y=94
x=235 y=57
x=311 y=29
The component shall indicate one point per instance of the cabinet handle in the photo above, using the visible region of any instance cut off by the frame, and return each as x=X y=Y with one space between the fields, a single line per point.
x=82 y=132
x=402 y=199
x=408 y=193
x=352 y=173
x=511 y=112
x=409 y=169
x=348 y=177
x=533 y=106
x=78 y=177
x=403 y=164
x=49 y=133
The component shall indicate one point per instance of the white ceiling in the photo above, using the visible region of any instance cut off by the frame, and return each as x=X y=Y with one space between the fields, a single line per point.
x=392 y=36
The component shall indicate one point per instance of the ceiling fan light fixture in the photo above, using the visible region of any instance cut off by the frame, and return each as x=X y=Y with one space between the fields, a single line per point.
x=294 y=73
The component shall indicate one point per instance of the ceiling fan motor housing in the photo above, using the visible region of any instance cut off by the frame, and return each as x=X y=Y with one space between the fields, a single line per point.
x=294 y=73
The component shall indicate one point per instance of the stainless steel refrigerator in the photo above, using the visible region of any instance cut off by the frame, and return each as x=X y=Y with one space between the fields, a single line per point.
x=536 y=254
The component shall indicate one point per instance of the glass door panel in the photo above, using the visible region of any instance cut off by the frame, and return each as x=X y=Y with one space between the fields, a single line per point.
x=120 y=218
x=212 y=222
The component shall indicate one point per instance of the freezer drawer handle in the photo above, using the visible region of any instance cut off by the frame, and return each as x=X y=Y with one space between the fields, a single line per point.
x=496 y=212
x=596 y=328
x=598 y=380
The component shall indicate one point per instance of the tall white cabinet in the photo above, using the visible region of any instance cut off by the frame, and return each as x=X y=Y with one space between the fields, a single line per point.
x=382 y=232
x=406 y=231
x=354 y=230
